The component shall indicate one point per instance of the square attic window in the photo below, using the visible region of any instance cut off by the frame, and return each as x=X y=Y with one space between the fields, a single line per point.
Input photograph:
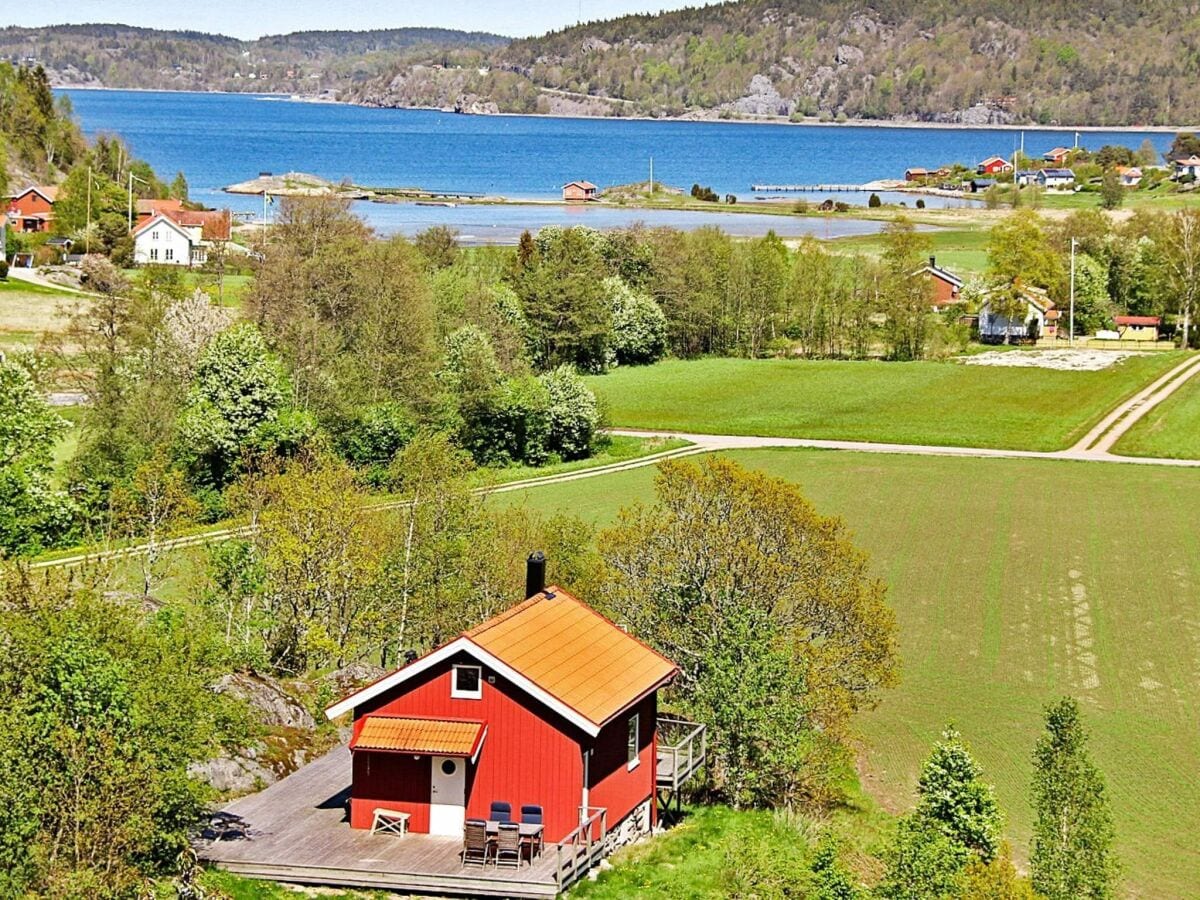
x=467 y=683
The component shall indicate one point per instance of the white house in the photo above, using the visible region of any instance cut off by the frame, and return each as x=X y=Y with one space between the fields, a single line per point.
x=1040 y=319
x=182 y=239
x=1189 y=166
x=1131 y=176
x=1026 y=177
x=1056 y=178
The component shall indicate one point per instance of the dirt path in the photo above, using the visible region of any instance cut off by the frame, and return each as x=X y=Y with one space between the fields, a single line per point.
x=1100 y=440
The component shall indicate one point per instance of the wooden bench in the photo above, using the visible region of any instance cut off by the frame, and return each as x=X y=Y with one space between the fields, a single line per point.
x=390 y=820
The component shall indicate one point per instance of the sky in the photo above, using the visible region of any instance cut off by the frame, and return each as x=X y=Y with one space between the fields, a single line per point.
x=242 y=19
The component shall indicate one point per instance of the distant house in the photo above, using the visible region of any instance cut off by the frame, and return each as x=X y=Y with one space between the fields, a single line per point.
x=1056 y=178
x=1186 y=167
x=916 y=174
x=979 y=185
x=181 y=239
x=1057 y=156
x=548 y=705
x=1026 y=177
x=1131 y=176
x=1137 y=328
x=993 y=165
x=32 y=210
x=946 y=285
x=577 y=191
x=1038 y=319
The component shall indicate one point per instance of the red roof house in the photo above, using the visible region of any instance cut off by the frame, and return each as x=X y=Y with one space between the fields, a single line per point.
x=548 y=704
x=1137 y=328
x=994 y=165
x=579 y=190
x=32 y=210
x=1057 y=156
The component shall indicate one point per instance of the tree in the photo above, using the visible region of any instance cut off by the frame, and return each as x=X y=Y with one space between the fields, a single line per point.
x=1112 y=192
x=1179 y=258
x=238 y=386
x=153 y=503
x=781 y=633
x=924 y=863
x=639 y=327
x=906 y=295
x=1072 y=855
x=1185 y=145
x=954 y=798
x=439 y=246
x=574 y=416
x=1093 y=306
x=179 y=187
x=1019 y=257
x=33 y=515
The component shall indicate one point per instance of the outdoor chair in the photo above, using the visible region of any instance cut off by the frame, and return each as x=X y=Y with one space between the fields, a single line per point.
x=501 y=811
x=531 y=814
x=508 y=845
x=475 y=842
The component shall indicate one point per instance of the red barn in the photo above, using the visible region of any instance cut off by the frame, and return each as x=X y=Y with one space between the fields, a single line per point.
x=547 y=704
x=32 y=210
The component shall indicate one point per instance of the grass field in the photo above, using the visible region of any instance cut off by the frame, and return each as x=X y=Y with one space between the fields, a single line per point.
x=962 y=251
x=1016 y=581
x=28 y=310
x=942 y=403
x=1171 y=429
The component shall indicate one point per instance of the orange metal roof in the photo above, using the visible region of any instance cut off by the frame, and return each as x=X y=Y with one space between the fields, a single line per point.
x=574 y=653
x=401 y=734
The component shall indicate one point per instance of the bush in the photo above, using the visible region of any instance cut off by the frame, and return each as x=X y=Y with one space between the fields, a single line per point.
x=509 y=424
x=639 y=326
x=375 y=434
x=3 y=270
x=573 y=413
x=874 y=202
x=920 y=203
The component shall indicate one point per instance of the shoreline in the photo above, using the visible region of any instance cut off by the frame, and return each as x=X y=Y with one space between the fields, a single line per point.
x=906 y=124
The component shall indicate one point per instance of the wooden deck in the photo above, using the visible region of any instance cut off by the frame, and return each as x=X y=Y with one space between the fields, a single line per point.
x=297 y=831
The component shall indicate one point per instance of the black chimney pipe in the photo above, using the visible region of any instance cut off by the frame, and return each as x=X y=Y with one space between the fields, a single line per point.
x=535 y=574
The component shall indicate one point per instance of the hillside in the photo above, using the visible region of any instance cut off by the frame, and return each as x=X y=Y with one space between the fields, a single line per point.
x=120 y=56
x=1056 y=62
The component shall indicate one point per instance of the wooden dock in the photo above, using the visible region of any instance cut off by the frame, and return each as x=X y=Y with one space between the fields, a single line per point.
x=297 y=831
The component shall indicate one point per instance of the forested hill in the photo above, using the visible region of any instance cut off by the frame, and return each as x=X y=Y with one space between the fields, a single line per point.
x=1097 y=62
x=120 y=56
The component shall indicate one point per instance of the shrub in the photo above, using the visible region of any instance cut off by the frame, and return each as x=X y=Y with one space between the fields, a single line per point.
x=874 y=202
x=920 y=203
x=374 y=434
x=508 y=424
x=639 y=326
x=573 y=413
x=3 y=270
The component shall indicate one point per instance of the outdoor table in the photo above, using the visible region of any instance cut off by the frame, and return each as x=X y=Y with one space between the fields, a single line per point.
x=530 y=833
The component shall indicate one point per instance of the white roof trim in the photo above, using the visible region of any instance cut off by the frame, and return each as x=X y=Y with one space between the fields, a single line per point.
x=463 y=645
x=159 y=217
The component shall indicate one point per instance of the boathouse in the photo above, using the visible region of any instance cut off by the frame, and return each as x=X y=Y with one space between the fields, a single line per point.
x=579 y=191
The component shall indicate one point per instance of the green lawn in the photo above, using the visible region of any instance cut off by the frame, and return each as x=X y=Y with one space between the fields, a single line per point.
x=962 y=251
x=27 y=310
x=1016 y=581
x=944 y=403
x=1171 y=429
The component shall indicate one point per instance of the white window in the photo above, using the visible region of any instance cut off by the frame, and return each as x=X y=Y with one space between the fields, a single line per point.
x=467 y=683
x=153 y=254
x=631 y=753
x=170 y=254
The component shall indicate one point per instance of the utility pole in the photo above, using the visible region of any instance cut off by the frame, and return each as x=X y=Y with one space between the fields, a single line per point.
x=87 y=232
x=652 y=176
x=132 y=179
x=1071 y=338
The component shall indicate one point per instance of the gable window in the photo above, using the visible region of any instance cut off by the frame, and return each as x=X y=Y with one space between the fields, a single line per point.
x=154 y=235
x=631 y=752
x=466 y=683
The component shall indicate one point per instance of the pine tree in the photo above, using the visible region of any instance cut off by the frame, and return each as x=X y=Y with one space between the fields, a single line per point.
x=955 y=799
x=1072 y=854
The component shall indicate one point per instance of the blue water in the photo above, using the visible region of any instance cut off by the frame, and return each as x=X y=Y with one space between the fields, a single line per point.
x=221 y=139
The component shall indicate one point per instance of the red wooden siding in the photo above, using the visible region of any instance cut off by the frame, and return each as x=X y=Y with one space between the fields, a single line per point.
x=530 y=754
x=613 y=785
x=944 y=292
x=28 y=205
x=392 y=781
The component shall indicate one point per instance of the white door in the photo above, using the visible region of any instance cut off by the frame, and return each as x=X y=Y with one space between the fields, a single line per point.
x=447 y=796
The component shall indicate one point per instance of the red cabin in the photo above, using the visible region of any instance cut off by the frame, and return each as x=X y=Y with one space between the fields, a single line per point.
x=548 y=704
x=994 y=165
x=579 y=191
x=946 y=285
x=32 y=210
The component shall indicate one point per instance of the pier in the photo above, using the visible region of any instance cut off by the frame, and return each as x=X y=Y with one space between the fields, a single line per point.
x=810 y=188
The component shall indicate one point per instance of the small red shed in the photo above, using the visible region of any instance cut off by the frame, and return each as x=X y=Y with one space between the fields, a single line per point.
x=578 y=191
x=32 y=210
x=547 y=704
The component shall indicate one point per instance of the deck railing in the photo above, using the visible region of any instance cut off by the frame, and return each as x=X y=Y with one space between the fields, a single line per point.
x=583 y=847
x=681 y=749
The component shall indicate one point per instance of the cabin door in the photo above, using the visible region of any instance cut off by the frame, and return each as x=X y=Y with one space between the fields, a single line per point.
x=447 y=796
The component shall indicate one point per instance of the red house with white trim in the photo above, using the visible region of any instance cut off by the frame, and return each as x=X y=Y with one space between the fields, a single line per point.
x=946 y=285
x=994 y=165
x=547 y=704
x=32 y=210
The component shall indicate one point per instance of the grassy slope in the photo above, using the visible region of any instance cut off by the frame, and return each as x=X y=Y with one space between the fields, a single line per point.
x=962 y=251
x=27 y=310
x=923 y=402
x=1170 y=429
x=1016 y=581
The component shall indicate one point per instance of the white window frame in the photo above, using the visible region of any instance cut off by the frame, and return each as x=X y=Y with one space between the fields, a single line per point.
x=458 y=694
x=633 y=757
